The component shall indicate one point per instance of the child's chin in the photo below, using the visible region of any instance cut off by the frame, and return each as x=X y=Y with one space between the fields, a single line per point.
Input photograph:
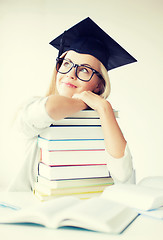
x=66 y=93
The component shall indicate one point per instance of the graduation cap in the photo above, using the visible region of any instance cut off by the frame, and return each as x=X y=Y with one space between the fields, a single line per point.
x=88 y=38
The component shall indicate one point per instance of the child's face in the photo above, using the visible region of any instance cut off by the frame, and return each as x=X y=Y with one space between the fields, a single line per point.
x=68 y=84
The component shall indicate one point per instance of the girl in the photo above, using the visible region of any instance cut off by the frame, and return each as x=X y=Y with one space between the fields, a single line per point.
x=80 y=81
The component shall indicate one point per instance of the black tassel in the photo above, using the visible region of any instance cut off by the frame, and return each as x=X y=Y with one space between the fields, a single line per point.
x=62 y=41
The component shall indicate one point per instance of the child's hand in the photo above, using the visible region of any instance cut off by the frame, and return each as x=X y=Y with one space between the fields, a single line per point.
x=93 y=100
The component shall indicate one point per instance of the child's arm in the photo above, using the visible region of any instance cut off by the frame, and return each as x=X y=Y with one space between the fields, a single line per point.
x=39 y=113
x=119 y=157
x=59 y=107
x=114 y=139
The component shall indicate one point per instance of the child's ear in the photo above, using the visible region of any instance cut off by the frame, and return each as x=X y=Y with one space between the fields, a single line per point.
x=98 y=88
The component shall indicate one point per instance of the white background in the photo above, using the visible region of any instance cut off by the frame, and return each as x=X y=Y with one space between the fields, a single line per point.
x=27 y=61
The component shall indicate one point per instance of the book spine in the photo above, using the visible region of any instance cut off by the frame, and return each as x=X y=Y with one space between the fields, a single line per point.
x=72 y=132
x=69 y=183
x=79 y=121
x=73 y=157
x=71 y=144
x=71 y=172
x=72 y=190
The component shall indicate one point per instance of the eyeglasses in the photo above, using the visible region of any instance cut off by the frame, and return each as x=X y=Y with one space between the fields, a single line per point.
x=83 y=72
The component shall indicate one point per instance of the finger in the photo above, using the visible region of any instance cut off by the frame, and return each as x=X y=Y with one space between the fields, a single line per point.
x=76 y=95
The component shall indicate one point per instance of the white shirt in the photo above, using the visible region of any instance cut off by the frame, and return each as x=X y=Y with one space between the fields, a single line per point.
x=31 y=121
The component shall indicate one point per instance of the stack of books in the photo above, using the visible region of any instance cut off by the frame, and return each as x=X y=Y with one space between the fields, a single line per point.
x=72 y=158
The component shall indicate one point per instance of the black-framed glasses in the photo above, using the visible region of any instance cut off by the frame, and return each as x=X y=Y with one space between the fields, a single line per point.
x=83 y=72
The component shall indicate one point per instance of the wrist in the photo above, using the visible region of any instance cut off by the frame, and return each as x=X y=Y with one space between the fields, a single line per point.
x=81 y=104
x=104 y=107
x=59 y=107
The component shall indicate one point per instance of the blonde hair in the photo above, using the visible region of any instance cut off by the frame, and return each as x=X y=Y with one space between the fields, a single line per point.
x=107 y=88
x=105 y=91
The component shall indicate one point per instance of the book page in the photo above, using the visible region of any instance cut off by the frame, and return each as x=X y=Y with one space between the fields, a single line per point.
x=135 y=196
x=42 y=214
x=95 y=214
x=99 y=215
x=152 y=182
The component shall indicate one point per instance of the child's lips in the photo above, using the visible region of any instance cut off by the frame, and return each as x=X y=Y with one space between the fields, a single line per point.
x=68 y=84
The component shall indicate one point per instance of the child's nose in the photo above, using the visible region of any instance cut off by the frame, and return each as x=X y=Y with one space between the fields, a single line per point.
x=72 y=73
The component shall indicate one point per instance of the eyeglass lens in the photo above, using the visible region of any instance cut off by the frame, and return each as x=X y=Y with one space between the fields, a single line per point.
x=83 y=72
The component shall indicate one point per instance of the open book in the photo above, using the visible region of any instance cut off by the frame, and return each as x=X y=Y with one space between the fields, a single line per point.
x=141 y=196
x=97 y=214
x=111 y=212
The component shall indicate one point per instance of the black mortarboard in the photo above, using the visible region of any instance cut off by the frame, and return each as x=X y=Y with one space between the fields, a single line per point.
x=88 y=38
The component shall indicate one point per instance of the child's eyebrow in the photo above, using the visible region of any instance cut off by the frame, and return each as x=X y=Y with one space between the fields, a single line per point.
x=86 y=64
x=68 y=59
x=83 y=64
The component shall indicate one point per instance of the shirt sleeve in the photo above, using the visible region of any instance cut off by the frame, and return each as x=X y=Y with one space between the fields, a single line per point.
x=33 y=118
x=121 y=169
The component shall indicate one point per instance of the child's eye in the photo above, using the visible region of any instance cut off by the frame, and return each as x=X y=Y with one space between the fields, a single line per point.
x=84 y=70
x=66 y=64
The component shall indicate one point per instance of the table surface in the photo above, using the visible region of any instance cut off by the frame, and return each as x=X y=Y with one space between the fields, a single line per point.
x=141 y=228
